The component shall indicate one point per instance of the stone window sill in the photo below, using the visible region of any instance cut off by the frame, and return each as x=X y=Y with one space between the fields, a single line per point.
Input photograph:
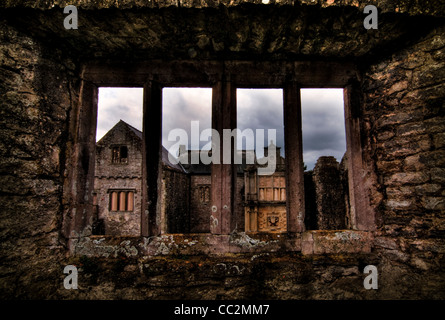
x=336 y=241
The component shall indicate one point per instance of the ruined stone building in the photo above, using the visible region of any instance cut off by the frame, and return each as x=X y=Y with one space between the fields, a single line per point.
x=59 y=207
x=265 y=197
x=185 y=190
x=117 y=181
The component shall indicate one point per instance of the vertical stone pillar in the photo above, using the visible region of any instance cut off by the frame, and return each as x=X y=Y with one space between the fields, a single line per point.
x=223 y=175
x=130 y=201
x=293 y=158
x=361 y=214
x=80 y=217
x=151 y=155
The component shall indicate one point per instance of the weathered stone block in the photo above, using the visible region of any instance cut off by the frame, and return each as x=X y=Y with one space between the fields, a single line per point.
x=399 y=204
x=416 y=128
x=332 y=242
x=439 y=140
x=433 y=159
x=438 y=175
x=434 y=203
x=391 y=166
x=406 y=178
x=393 y=119
x=412 y=163
x=406 y=146
x=428 y=188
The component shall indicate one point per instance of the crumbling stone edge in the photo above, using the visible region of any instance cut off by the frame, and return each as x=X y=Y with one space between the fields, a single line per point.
x=308 y=243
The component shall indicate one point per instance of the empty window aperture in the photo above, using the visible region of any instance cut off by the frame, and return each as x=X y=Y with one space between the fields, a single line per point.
x=115 y=104
x=186 y=113
x=186 y=132
x=118 y=162
x=261 y=131
x=323 y=125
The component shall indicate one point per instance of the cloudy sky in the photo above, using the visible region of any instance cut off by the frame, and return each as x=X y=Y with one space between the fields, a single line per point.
x=116 y=104
x=322 y=115
x=181 y=106
x=323 y=124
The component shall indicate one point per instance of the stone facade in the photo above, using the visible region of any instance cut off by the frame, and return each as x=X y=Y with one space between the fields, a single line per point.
x=175 y=200
x=200 y=204
x=265 y=198
x=186 y=191
x=47 y=130
x=117 y=177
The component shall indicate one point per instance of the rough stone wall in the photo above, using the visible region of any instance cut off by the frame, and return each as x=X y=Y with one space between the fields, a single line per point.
x=120 y=135
x=175 y=200
x=199 y=211
x=38 y=90
x=404 y=117
x=432 y=7
x=127 y=175
x=261 y=276
x=119 y=223
x=403 y=128
x=329 y=195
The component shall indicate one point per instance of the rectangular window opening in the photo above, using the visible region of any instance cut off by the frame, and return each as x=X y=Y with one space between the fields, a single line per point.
x=186 y=152
x=118 y=162
x=261 y=179
x=324 y=150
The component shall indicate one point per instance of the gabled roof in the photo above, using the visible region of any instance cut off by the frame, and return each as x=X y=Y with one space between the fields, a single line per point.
x=138 y=134
x=121 y=123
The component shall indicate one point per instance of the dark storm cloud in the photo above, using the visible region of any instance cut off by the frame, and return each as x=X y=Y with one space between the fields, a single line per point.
x=323 y=124
x=181 y=106
x=322 y=115
x=261 y=109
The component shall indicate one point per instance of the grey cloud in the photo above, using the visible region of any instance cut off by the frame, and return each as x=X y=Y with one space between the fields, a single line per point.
x=116 y=104
x=323 y=119
x=323 y=125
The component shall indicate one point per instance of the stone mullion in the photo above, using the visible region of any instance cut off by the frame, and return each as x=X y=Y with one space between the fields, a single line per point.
x=82 y=174
x=151 y=155
x=223 y=175
x=362 y=215
x=294 y=158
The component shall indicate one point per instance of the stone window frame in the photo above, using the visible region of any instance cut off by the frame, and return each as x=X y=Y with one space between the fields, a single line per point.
x=120 y=158
x=224 y=77
x=119 y=192
x=203 y=191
